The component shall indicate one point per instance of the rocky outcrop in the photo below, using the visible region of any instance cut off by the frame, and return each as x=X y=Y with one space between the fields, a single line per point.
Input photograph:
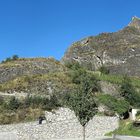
x=61 y=124
x=119 y=51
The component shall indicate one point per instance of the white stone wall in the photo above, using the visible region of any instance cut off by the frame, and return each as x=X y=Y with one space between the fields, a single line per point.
x=61 y=124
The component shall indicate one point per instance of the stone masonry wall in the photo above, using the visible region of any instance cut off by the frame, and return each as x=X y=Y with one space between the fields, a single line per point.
x=61 y=124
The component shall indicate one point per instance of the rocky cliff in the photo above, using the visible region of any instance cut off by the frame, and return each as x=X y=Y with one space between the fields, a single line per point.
x=118 y=51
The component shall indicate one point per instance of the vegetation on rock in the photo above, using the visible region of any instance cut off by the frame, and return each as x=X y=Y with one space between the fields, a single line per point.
x=15 y=110
x=104 y=70
x=129 y=93
x=9 y=59
x=126 y=128
x=115 y=105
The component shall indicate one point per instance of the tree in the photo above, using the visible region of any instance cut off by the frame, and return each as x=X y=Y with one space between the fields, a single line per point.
x=9 y=59
x=82 y=100
x=15 y=57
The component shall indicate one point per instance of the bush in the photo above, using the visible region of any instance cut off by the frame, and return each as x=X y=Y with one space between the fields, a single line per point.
x=73 y=65
x=104 y=70
x=28 y=109
x=129 y=93
x=80 y=76
x=13 y=104
x=20 y=115
x=13 y=58
x=119 y=106
x=8 y=59
x=42 y=102
x=1 y=100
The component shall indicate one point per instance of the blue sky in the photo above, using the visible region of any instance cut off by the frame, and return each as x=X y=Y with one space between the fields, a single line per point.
x=42 y=28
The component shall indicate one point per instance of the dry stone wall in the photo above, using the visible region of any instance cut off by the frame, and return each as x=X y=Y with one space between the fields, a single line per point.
x=61 y=124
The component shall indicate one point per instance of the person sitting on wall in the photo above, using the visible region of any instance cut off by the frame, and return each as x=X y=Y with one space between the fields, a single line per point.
x=41 y=118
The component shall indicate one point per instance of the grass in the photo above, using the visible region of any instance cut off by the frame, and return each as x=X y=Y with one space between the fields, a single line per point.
x=29 y=109
x=22 y=83
x=117 y=79
x=113 y=104
x=9 y=65
x=126 y=128
x=22 y=62
x=20 y=115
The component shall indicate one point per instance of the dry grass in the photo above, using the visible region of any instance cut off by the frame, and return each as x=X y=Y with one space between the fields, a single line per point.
x=21 y=115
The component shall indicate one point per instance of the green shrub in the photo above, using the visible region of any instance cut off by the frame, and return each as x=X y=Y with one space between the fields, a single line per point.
x=13 y=104
x=128 y=91
x=119 y=106
x=138 y=113
x=1 y=100
x=73 y=65
x=14 y=57
x=20 y=115
x=80 y=76
x=9 y=59
x=30 y=108
x=42 y=102
x=104 y=70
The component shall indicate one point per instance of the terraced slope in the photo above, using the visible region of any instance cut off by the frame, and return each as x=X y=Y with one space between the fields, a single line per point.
x=27 y=67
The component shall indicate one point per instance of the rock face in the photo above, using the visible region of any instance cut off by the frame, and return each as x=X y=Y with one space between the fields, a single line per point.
x=32 y=66
x=119 y=51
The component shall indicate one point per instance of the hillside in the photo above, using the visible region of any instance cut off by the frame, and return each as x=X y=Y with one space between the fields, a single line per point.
x=30 y=84
x=29 y=66
x=118 y=51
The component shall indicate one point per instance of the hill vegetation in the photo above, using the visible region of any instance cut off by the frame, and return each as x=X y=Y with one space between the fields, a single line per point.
x=64 y=86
